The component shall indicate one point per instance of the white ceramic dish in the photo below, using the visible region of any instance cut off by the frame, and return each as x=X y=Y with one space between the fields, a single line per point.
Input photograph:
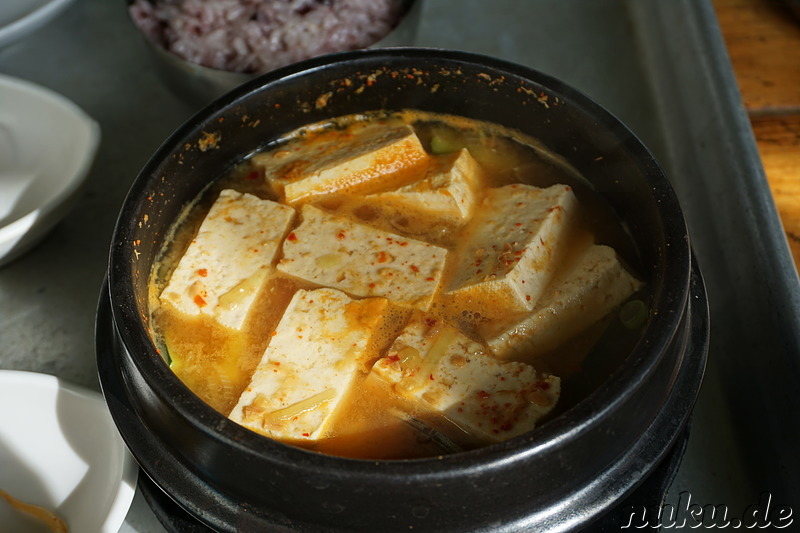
x=47 y=145
x=20 y=17
x=60 y=449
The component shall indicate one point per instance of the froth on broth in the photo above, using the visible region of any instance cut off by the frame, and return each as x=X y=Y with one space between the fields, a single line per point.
x=396 y=285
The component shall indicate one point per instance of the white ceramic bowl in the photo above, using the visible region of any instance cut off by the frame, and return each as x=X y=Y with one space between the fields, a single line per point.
x=59 y=449
x=47 y=146
x=20 y=17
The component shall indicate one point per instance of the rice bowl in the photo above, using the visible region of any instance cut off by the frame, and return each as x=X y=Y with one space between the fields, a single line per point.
x=255 y=36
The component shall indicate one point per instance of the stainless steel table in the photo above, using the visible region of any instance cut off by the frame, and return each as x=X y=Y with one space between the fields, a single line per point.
x=660 y=66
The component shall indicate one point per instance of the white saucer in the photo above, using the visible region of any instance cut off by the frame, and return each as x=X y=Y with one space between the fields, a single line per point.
x=60 y=449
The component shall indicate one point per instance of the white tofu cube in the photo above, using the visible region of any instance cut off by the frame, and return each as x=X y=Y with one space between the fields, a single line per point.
x=511 y=249
x=363 y=159
x=452 y=375
x=321 y=346
x=230 y=259
x=445 y=195
x=337 y=252
x=592 y=288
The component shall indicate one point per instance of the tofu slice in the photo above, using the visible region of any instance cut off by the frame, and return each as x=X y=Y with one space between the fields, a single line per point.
x=320 y=348
x=511 y=249
x=230 y=259
x=445 y=195
x=363 y=160
x=452 y=375
x=594 y=286
x=336 y=252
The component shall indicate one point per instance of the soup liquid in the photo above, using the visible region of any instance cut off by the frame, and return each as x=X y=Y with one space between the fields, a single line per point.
x=216 y=363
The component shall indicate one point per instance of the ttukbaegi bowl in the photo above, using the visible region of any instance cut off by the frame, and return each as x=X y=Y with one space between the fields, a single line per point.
x=559 y=477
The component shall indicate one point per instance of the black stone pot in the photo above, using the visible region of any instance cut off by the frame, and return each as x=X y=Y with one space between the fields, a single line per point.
x=561 y=477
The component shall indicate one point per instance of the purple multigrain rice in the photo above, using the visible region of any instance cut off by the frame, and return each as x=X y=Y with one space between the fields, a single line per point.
x=260 y=35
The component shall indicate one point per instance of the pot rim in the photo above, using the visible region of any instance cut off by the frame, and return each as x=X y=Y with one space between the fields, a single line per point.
x=630 y=375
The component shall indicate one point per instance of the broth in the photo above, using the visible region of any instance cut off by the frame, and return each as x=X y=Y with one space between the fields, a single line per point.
x=372 y=419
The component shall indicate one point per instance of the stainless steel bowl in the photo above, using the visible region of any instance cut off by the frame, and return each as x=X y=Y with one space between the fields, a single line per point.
x=199 y=85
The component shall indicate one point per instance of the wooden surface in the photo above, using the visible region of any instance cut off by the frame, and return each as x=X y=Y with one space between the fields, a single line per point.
x=763 y=40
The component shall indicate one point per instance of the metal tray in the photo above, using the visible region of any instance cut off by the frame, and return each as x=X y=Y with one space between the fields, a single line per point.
x=661 y=67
